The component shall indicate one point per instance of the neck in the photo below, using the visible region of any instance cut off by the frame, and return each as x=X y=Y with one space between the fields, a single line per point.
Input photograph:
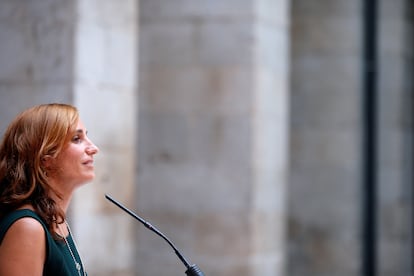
x=64 y=198
x=62 y=201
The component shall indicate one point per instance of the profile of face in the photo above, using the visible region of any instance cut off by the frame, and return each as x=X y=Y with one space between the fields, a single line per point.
x=74 y=165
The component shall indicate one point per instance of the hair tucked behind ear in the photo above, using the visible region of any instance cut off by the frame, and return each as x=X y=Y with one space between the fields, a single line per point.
x=35 y=134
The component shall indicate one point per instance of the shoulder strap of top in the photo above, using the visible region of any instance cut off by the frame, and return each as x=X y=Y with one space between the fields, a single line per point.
x=7 y=221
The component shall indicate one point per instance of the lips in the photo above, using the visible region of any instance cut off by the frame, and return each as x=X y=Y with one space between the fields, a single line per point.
x=88 y=162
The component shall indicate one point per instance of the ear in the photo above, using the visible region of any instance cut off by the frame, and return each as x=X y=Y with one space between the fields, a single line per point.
x=46 y=161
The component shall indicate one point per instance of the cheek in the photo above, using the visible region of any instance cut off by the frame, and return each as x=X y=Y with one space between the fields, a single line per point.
x=70 y=155
x=65 y=162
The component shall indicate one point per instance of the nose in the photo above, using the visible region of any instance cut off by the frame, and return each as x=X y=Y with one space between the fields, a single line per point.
x=92 y=149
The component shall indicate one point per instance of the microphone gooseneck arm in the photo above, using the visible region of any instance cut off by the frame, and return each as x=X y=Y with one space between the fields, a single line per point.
x=192 y=270
x=152 y=228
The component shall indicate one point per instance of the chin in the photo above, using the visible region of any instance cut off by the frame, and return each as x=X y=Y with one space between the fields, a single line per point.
x=87 y=180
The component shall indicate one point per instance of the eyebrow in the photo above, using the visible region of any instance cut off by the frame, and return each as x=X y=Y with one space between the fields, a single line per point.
x=80 y=131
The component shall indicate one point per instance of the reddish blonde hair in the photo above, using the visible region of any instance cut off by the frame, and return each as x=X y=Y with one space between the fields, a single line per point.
x=36 y=133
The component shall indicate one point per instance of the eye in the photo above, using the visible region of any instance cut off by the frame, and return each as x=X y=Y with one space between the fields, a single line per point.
x=76 y=139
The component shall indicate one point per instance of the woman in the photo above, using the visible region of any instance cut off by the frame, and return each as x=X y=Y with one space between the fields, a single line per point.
x=44 y=156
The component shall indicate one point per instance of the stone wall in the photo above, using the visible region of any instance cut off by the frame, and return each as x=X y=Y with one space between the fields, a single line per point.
x=105 y=90
x=36 y=54
x=83 y=53
x=395 y=176
x=326 y=188
x=325 y=152
x=213 y=134
x=246 y=123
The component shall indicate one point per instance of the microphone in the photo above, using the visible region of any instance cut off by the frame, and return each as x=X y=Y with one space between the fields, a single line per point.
x=192 y=270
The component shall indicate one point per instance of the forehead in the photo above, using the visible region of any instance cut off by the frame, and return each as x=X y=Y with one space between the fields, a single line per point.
x=77 y=129
x=80 y=126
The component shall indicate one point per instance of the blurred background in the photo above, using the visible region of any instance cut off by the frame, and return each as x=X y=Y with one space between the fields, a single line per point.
x=263 y=137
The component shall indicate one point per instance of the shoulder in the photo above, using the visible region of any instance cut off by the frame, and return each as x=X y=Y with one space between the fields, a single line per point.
x=27 y=226
x=27 y=232
x=21 y=220
x=23 y=247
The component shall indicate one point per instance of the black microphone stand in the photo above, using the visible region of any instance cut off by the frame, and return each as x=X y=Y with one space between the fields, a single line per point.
x=192 y=270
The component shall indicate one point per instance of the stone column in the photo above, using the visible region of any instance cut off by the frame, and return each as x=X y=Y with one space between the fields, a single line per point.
x=395 y=138
x=212 y=151
x=325 y=181
x=105 y=92
x=84 y=53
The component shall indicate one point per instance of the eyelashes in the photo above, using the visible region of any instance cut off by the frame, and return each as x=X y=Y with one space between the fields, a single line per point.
x=80 y=136
x=76 y=139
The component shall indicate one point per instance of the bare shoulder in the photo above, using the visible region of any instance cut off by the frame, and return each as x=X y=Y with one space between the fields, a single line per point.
x=23 y=247
x=27 y=225
x=27 y=231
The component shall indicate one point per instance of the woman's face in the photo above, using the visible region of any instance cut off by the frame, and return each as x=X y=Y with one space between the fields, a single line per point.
x=74 y=165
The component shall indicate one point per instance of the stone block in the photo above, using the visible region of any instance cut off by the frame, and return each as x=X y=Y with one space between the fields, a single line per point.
x=392 y=148
x=42 y=44
x=271 y=98
x=185 y=189
x=21 y=95
x=273 y=48
x=110 y=238
x=109 y=14
x=226 y=43
x=268 y=231
x=163 y=138
x=392 y=257
x=268 y=191
x=393 y=33
x=15 y=67
x=267 y=264
x=111 y=121
x=326 y=8
x=318 y=93
x=319 y=253
x=99 y=56
x=222 y=234
x=275 y=12
x=214 y=141
x=310 y=35
x=394 y=107
x=164 y=10
x=332 y=187
x=167 y=44
x=321 y=148
x=52 y=43
x=196 y=90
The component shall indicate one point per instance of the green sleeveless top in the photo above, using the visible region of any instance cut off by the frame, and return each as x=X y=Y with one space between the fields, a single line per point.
x=59 y=260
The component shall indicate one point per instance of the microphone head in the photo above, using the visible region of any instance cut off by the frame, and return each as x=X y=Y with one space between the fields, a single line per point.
x=194 y=271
